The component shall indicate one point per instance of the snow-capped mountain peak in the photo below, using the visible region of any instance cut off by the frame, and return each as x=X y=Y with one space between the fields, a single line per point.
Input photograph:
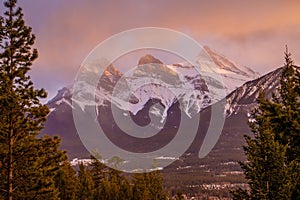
x=229 y=66
x=65 y=92
x=152 y=79
x=233 y=75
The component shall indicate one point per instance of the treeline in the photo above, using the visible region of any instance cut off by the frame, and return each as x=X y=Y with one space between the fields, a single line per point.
x=99 y=182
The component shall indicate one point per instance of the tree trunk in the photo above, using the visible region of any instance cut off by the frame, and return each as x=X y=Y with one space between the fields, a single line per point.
x=10 y=168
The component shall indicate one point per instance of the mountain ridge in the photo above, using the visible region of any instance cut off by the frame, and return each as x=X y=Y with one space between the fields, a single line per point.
x=61 y=105
x=187 y=77
x=220 y=165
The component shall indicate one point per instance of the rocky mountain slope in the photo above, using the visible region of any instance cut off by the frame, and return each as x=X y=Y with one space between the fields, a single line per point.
x=185 y=81
x=153 y=102
x=183 y=88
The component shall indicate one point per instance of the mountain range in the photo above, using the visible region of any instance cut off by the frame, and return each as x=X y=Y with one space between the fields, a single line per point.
x=159 y=95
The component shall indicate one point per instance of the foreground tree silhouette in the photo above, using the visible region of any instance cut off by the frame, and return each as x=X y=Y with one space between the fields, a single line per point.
x=272 y=168
x=28 y=164
x=86 y=184
x=67 y=182
x=109 y=183
x=148 y=186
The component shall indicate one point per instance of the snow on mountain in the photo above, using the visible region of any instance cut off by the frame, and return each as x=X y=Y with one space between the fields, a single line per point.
x=65 y=92
x=244 y=98
x=153 y=90
x=152 y=79
x=233 y=75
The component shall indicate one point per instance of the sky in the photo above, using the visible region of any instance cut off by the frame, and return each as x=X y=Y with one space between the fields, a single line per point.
x=251 y=33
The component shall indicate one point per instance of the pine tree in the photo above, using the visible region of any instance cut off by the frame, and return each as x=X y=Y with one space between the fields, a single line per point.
x=98 y=170
x=86 y=185
x=110 y=184
x=28 y=163
x=140 y=187
x=115 y=187
x=66 y=182
x=287 y=124
x=272 y=168
x=148 y=186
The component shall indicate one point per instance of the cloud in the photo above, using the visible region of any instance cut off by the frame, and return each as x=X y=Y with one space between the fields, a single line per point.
x=252 y=33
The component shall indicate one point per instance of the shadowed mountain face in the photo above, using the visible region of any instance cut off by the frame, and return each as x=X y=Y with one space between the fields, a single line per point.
x=228 y=148
x=142 y=118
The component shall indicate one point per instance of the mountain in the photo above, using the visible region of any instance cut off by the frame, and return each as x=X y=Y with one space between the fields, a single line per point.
x=151 y=92
x=135 y=95
x=244 y=97
x=219 y=169
x=239 y=104
x=196 y=88
x=233 y=75
x=221 y=166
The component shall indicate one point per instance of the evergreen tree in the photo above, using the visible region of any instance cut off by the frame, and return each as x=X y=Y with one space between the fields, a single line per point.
x=86 y=185
x=148 y=186
x=272 y=168
x=140 y=187
x=99 y=172
x=114 y=187
x=28 y=163
x=109 y=183
x=66 y=182
x=286 y=124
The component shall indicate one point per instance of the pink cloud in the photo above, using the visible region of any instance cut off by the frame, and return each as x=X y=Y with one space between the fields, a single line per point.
x=253 y=34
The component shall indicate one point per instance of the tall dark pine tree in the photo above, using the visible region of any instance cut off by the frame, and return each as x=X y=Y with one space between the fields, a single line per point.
x=272 y=169
x=28 y=163
x=148 y=186
x=66 y=182
x=86 y=184
x=109 y=183
x=286 y=124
